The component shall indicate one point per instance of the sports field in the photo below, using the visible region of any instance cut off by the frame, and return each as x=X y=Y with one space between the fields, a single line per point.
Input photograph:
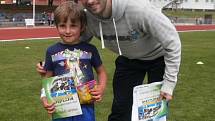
x=193 y=98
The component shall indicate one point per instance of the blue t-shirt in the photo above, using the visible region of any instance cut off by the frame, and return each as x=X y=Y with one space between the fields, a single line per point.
x=83 y=57
x=78 y=59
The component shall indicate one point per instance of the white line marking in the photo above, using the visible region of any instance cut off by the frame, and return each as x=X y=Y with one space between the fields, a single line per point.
x=10 y=40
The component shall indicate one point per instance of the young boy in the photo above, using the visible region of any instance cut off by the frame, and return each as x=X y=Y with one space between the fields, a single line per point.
x=70 y=55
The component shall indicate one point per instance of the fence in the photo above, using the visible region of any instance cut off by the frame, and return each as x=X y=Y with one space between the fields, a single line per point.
x=191 y=21
x=175 y=20
x=19 y=19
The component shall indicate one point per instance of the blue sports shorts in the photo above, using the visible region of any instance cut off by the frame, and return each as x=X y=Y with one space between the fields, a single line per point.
x=88 y=115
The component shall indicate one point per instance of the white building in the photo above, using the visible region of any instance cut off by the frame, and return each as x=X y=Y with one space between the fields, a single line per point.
x=185 y=4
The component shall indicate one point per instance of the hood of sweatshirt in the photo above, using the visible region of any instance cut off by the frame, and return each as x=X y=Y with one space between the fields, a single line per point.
x=118 y=10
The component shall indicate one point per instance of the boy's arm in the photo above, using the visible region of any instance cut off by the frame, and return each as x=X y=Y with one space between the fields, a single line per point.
x=49 y=74
x=49 y=107
x=46 y=75
x=97 y=93
x=102 y=77
x=40 y=69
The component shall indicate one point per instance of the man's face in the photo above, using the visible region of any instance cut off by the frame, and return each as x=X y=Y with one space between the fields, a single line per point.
x=96 y=7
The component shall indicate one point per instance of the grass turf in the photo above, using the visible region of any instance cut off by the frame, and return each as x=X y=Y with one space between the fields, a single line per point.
x=20 y=83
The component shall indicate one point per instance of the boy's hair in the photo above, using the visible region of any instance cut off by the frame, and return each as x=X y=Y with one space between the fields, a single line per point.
x=70 y=10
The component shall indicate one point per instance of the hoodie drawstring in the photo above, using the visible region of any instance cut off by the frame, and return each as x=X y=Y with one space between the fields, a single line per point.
x=102 y=39
x=117 y=39
x=101 y=35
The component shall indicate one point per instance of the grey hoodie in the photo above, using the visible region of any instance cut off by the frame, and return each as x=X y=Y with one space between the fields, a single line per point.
x=138 y=30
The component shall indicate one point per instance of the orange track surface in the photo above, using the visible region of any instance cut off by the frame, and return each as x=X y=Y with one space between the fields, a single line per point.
x=49 y=32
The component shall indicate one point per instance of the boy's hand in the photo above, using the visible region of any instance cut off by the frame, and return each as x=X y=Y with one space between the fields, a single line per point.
x=49 y=107
x=166 y=96
x=40 y=69
x=97 y=93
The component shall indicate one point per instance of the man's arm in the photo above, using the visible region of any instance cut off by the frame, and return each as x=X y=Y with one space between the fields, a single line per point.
x=161 y=28
x=166 y=33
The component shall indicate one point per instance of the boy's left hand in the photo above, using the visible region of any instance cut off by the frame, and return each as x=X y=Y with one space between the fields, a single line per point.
x=97 y=93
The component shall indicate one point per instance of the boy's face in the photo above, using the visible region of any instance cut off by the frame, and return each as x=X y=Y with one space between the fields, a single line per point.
x=96 y=7
x=70 y=31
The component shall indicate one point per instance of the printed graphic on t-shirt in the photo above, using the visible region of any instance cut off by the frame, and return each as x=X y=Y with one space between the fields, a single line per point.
x=70 y=60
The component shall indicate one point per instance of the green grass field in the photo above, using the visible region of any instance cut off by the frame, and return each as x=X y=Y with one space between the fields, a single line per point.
x=20 y=84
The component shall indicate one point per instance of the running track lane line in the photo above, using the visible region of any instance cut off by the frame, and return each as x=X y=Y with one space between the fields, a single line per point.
x=23 y=33
x=27 y=33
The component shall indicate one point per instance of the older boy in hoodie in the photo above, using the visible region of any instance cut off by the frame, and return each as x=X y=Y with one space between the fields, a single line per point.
x=146 y=41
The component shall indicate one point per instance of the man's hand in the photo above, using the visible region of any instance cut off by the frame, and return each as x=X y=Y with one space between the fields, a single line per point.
x=40 y=69
x=49 y=107
x=165 y=96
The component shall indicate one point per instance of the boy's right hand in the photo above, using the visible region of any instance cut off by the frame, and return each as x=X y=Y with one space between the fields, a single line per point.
x=97 y=93
x=40 y=69
x=49 y=107
x=165 y=96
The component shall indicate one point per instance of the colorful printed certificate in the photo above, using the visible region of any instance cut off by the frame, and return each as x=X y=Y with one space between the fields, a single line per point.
x=146 y=103
x=62 y=91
